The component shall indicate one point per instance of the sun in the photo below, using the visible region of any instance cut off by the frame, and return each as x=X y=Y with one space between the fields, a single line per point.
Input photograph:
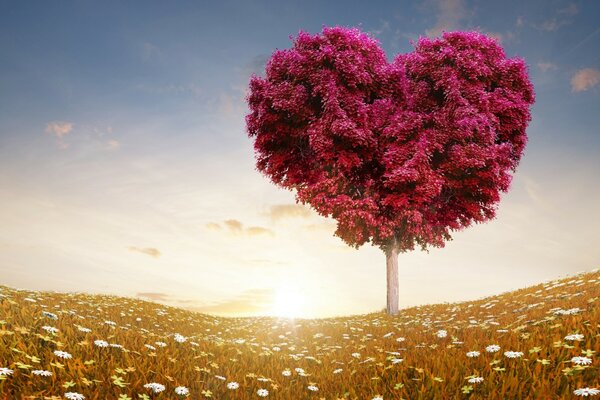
x=288 y=302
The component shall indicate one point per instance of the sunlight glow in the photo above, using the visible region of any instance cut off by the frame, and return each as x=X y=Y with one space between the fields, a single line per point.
x=288 y=302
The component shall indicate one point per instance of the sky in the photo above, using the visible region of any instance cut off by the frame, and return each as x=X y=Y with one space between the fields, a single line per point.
x=125 y=167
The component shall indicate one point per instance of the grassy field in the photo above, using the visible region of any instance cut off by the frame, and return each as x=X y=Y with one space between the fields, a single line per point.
x=541 y=342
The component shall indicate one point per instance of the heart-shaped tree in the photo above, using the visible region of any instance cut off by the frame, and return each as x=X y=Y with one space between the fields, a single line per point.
x=399 y=154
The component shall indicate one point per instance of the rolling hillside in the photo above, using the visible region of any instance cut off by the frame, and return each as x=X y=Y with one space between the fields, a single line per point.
x=540 y=342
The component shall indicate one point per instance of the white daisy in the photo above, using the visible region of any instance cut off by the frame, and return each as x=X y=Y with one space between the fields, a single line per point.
x=492 y=348
x=233 y=385
x=6 y=371
x=74 y=396
x=262 y=392
x=476 y=379
x=337 y=371
x=574 y=337
x=155 y=387
x=581 y=360
x=182 y=391
x=82 y=329
x=377 y=398
x=313 y=388
x=513 y=354
x=50 y=329
x=396 y=360
x=62 y=354
x=586 y=392
x=50 y=315
x=356 y=355
x=41 y=372
x=441 y=333
x=473 y=354
x=101 y=343
x=286 y=372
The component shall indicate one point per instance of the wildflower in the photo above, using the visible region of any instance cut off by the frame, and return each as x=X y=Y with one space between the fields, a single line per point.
x=50 y=315
x=441 y=333
x=41 y=372
x=476 y=379
x=586 y=392
x=377 y=398
x=182 y=391
x=574 y=336
x=313 y=388
x=286 y=372
x=150 y=346
x=179 y=338
x=581 y=360
x=161 y=344
x=82 y=329
x=396 y=360
x=262 y=392
x=337 y=371
x=356 y=355
x=492 y=348
x=50 y=329
x=111 y=323
x=74 y=396
x=473 y=354
x=299 y=371
x=513 y=354
x=155 y=387
x=6 y=371
x=400 y=339
x=101 y=343
x=233 y=385
x=62 y=354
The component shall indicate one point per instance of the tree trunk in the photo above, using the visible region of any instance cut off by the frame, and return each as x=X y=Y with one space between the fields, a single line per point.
x=392 y=279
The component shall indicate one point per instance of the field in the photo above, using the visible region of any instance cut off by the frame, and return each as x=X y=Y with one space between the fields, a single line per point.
x=541 y=342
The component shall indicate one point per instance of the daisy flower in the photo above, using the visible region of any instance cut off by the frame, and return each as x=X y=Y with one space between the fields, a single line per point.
x=74 y=396
x=161 y=344
x=337 y=371
x=155 y=387
x=101 y=343
x=82 y=329
x=473 y=354
x=586 y=392
x=179 y=338
x=574 y=337
x=50 y=329
x=286 y=372
x=50 y=315
x=513 y=354
x=262 y=392
x=41 y=372
x=441 y=333
x=492 y=348
x=6 y=371
x=581 y=360
x=313 y=388
x=356 y=355
x=400 y=339
x=377 y=398
x=62 y=354
x=396 y=360
x=233 y=385
x=182 y=391
x=111 y=323
x=476 y=379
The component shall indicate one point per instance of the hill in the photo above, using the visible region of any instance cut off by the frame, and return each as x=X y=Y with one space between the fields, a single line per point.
x=539 y=342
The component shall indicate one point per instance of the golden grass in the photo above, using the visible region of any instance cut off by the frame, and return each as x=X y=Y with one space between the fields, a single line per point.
x=255 y=351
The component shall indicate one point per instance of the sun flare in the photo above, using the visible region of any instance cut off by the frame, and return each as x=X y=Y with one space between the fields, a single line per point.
x=289 y=302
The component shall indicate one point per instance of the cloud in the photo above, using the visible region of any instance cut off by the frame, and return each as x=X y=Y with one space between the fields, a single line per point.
x=562 y=17
x=328 y=227
x=153 y=296
x=236 y=227
x=281 y=211
x=253 y=301
x=59 y=129
x=546 y=66
x=151 y=251
x=585 y=79
x=258 y=230
x=113 y=144
x=450 y=15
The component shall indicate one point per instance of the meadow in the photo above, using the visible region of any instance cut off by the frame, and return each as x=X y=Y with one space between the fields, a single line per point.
x=541 y=342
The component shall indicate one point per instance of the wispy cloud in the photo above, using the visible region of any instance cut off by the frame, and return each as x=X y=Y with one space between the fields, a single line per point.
x=546 y=66
x=113 y=144
x=450 y=15
x=281 y=211
x=153 y=296
x=59 y=129
x=150 y=251
x=585 y=79
x=236 y=227
x=562 y=17
x=253 y=301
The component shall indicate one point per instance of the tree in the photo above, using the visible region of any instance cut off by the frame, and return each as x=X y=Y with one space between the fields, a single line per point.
x=400 y=154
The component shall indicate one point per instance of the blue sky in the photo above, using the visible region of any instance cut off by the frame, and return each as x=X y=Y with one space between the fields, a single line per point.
x=123 y=152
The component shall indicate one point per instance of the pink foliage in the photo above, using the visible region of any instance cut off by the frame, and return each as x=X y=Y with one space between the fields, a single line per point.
x=410 y=150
